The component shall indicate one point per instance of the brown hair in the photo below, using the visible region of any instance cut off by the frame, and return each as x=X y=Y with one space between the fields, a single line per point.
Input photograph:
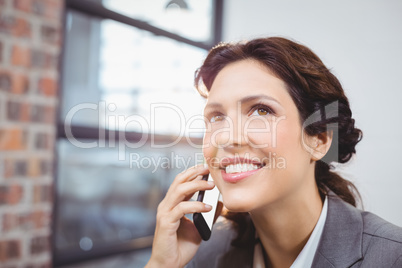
x=312 y=87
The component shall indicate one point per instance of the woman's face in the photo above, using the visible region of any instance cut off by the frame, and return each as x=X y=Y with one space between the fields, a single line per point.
x=253 y=141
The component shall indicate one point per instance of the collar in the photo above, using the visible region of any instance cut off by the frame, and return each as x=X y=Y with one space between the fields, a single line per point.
x=305 y=257
x=342 y=238
x=340 y=244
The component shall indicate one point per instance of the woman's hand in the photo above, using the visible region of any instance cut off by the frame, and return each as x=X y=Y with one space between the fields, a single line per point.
x=176 y=239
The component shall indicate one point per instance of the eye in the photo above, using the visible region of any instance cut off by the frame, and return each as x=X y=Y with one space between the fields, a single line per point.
x=216 y=118
x=260 y=111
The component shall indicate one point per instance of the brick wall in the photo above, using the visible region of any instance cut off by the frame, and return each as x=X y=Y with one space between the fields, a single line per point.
x=30 y=41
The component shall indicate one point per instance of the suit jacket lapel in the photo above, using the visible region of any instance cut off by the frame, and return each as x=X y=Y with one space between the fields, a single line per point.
x=341 y=241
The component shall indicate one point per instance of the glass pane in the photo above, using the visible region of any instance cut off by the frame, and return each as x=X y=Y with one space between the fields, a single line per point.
x=189 y=18
x=118 y=77
x=105 y=197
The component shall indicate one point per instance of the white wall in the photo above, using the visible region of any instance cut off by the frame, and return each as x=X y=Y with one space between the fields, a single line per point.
x=361 y=41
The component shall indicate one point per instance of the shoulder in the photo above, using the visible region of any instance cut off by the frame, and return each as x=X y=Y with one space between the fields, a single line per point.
x=355 y=236
x=377 y=227
x=381 y=240
x=218 y=250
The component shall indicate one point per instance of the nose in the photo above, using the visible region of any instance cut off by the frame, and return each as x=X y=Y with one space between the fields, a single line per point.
x=231 y=137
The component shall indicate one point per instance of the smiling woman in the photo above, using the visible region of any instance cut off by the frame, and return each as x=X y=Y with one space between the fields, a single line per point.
x=271 y=99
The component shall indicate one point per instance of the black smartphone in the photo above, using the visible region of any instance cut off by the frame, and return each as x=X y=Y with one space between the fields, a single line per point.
x=203 y=221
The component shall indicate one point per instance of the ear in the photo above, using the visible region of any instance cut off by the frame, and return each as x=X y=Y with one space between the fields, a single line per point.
x=319 y=145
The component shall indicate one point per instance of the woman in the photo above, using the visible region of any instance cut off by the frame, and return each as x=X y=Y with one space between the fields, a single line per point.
x=275 y=118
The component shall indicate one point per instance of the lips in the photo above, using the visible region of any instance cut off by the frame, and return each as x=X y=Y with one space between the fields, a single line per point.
x=236 y=169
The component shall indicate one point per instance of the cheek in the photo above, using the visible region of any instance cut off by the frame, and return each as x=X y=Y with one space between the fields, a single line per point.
x=269 y=133
x=290 y=149
x=286 y=142
x=208 y=149
x=279 y=135
x=258 y=133
x=210 y=155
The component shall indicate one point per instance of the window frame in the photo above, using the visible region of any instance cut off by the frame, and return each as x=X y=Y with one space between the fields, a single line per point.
x=97 y=10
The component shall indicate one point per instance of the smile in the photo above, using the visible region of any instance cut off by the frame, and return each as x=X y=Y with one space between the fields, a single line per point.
x=237 y=169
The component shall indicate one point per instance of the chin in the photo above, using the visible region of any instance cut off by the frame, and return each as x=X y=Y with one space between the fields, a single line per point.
x=237 y=203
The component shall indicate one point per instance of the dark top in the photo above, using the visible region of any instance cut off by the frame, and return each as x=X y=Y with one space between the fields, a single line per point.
x=351 y=238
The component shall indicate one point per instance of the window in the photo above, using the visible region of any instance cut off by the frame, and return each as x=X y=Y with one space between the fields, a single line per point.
x=129 y=118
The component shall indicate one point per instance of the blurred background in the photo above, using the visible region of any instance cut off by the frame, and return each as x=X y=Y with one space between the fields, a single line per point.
x=98 y=112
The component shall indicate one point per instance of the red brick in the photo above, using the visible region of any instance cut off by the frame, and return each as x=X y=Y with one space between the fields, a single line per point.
x=26 y=221
x=47 y=264
x=1 y=51
x=48 y=86
x=42 y=193
x=38 y=113
x=21 y=28
x=17 y=111
x=46 y=166
x=53 y=9
x=50 y=34
x=43 y=141
x=18 y=27
x=22 y=5
x=6 y=24
x=13 y=139
x=15 y=195
x=39 y=244
x=3 y=194
x=5 y=81
x=40 y=219
x=24 y=116
x=10 y=249
x=11 y=194
x=10 y=222
x=20 y=83
x=42 y=114
x=42 y=59
x=34 y=167
x=47 y=8
x=21 y=56
x=50 y=113
x=15 y=168
x=21 y=167
x=38 y=7
x=16 y=83
x=13 y=110
x=8 y=168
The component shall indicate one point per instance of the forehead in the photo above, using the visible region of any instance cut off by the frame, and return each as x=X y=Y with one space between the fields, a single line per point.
x=246 y=77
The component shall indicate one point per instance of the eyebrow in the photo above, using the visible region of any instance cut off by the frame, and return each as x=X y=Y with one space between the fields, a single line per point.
x=244 y=100
x=256 y=97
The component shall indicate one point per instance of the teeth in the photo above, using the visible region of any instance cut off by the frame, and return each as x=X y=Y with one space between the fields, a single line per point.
x=241 y=168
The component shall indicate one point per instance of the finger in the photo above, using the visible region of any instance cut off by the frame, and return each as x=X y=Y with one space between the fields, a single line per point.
x=188 y=207
x=198 y=178
x=185 y=190
x=194 y=195
x=194 y=173
x=191 y=173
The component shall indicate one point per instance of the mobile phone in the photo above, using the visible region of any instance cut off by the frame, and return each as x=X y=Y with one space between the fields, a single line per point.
x=203 y=221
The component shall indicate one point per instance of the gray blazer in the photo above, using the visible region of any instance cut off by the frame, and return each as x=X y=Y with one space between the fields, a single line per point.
x=351 y=238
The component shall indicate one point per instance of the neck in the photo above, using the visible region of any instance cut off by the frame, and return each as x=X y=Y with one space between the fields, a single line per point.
x=285 y=227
